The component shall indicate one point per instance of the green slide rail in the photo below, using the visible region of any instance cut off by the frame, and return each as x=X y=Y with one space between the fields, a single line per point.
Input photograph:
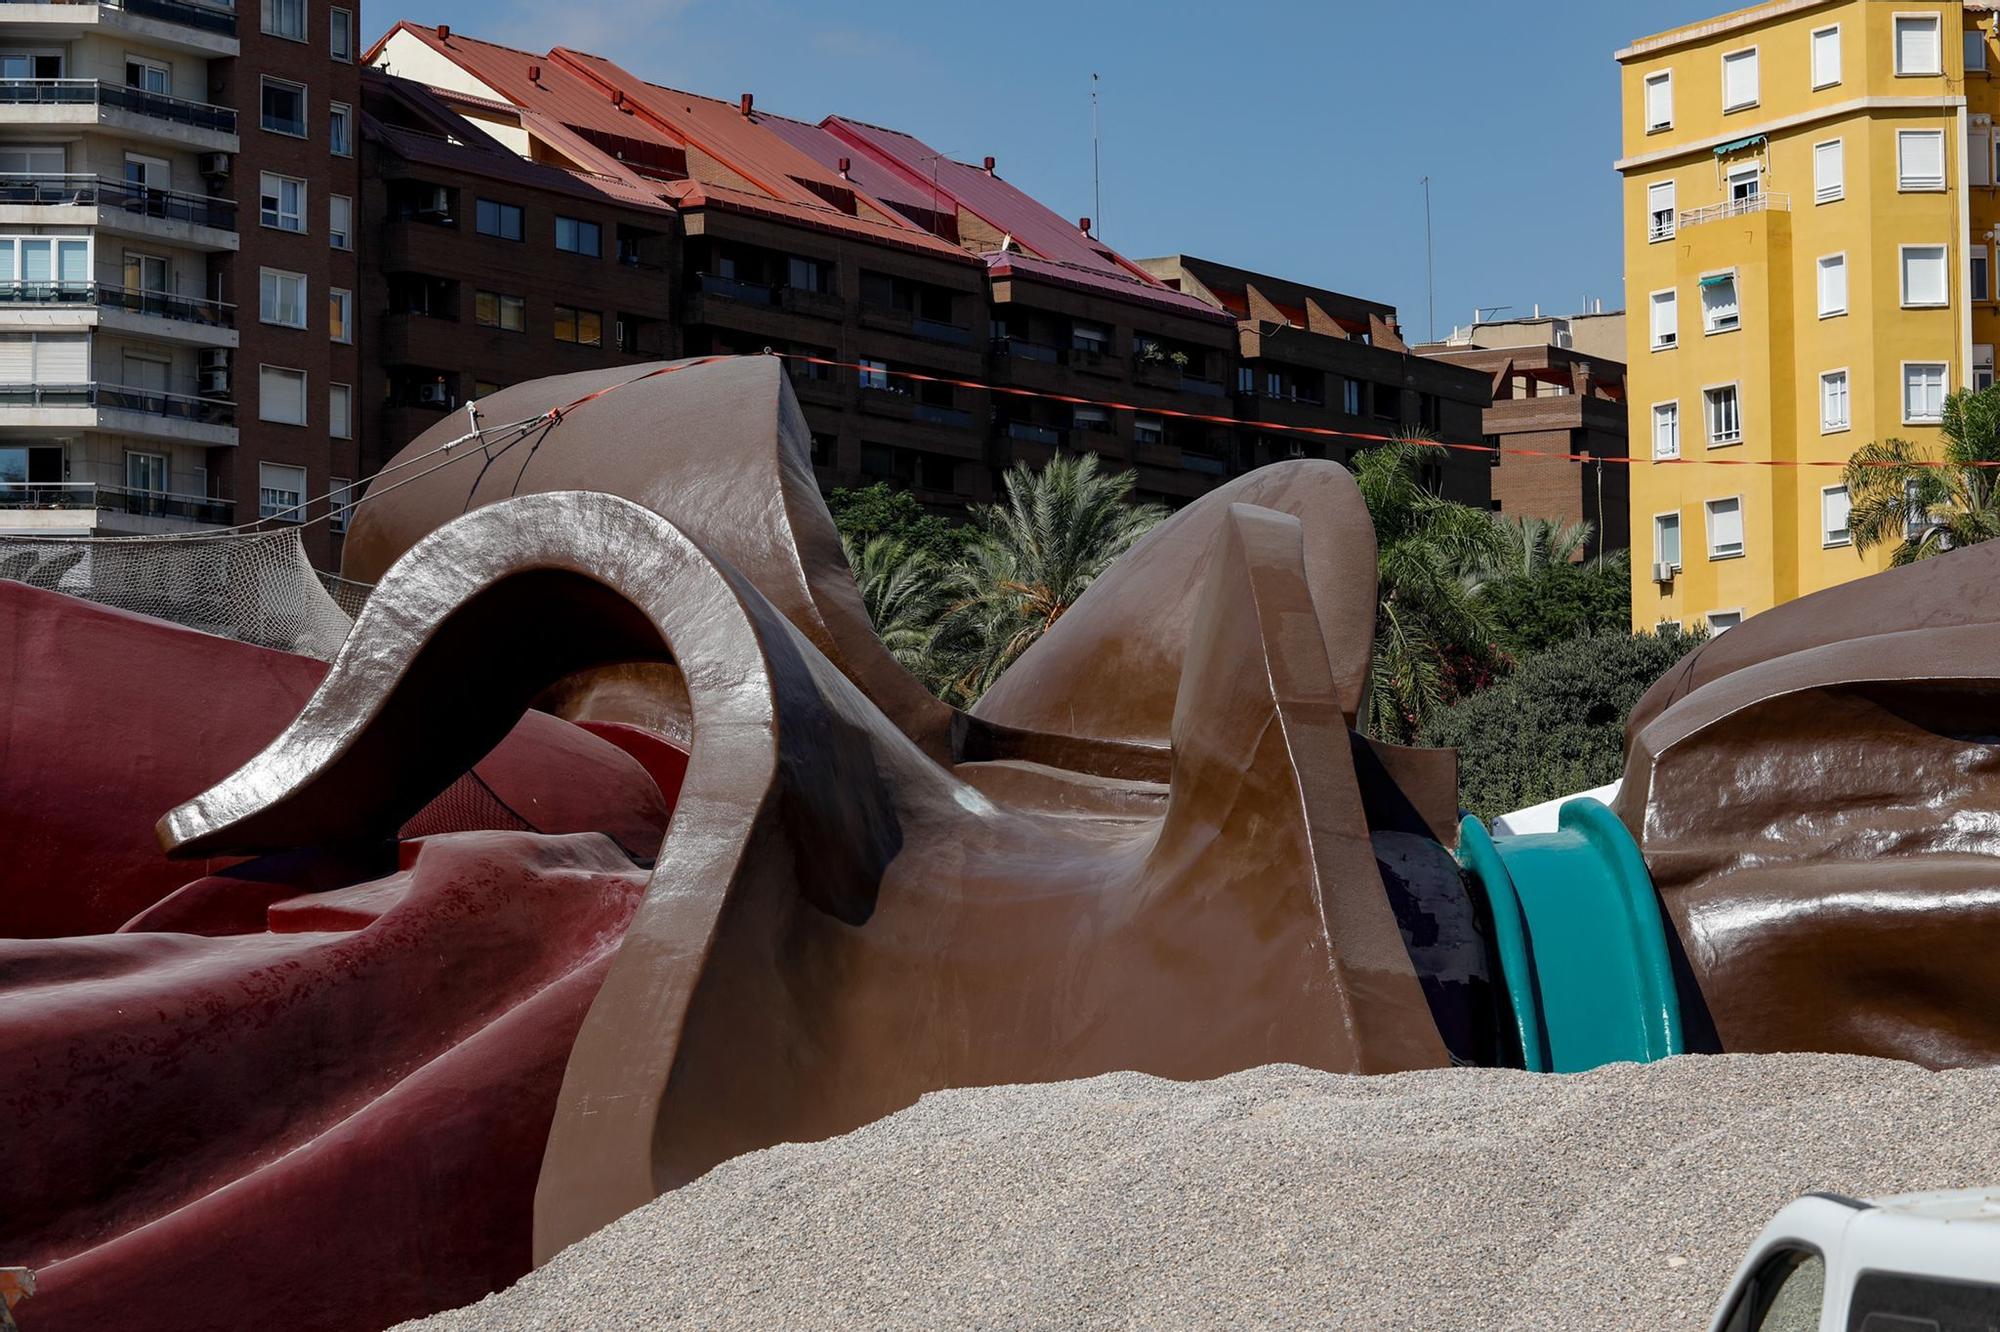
x=1582 y=949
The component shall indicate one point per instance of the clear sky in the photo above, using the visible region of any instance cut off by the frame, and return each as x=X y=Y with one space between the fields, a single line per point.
x=1284 y=137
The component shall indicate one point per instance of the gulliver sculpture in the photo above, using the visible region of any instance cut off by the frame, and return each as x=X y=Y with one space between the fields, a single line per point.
x=613 y=844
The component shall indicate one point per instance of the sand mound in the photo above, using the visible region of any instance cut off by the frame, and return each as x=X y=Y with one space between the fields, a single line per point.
x=1467 y=1198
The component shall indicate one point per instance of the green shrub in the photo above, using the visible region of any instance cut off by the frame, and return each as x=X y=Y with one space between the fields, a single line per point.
x=1557 y=724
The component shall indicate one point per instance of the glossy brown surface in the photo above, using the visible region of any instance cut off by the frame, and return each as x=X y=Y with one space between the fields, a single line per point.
x=1817 y=795
x=837 y=922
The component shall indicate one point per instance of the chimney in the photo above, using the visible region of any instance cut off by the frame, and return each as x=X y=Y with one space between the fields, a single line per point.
x=1083 y=225
x=844 y=164
x=618 y=98
x=745 y=105
x=444 y=32
x=534 y=73
x=988 y=164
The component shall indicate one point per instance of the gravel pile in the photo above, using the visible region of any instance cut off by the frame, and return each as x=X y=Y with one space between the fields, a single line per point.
x=1459 y=1199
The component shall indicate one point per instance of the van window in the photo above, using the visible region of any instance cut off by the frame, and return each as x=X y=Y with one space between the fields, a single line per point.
x=1899 y=1302
x=1783 y=1295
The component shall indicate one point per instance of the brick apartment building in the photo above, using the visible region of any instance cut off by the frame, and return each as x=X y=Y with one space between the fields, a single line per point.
x=158 y=158
x=839 y=240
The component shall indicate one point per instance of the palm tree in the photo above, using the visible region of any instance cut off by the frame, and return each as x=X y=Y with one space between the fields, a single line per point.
x=1432 y=632
x=1534 y=544
x=902 y=589
x=1929 y=509
x=1031 y=558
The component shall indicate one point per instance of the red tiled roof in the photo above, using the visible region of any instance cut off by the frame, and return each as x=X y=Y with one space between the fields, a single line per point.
x=692 y=194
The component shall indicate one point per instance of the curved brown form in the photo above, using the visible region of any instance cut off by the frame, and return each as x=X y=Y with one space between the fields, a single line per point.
x=1110 y=669
x=1823 y=827
x=836 y=923
x=718 y=447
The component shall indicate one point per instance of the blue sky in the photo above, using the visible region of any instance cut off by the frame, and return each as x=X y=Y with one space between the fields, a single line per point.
x=1285 y=137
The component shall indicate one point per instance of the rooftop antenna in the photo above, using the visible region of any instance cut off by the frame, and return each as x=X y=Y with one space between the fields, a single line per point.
x=1430 y=262
x=1096 y=180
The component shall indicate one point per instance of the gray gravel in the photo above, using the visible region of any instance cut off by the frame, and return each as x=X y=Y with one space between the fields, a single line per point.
x=1619 y=1199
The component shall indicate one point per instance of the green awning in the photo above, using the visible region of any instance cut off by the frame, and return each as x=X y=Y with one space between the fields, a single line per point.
x=1739 y=144
x=1718 y=279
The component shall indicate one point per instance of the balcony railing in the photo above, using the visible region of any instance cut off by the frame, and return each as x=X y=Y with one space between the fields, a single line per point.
x=118 y=397
x=944 y=416
x=161 y=304
x=937 y=330
x=735 y=289
x=205 y=17
x=68 y=495
x=1027 y=351
x=1201 y=388
x=96 y=92
x=1756 y=203
x=53 y=191
x=1034 y=434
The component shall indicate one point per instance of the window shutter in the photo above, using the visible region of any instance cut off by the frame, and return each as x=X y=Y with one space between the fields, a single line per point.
x=1832 y=285
x=1666 y=319
x=1725 y=520
x=1718 y=301
x=1659 y=101
x=1739 y=78
x=1924 y=275
x=62 y=358
x=1826 y=57
x=17 y=358
x=1835 y=506
x=1979 y=156
x=1920 y=155
x=1829 y=171
x=1917 y=45
x=281 y=396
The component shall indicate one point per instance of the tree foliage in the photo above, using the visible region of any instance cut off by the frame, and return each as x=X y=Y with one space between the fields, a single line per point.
x=902 y=589
x=1927 y=510
x=881 y=511
x=1536 y=610
x=1556 y=724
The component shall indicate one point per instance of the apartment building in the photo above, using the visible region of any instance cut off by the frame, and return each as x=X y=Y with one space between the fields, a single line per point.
x=852 y=244
x=1808 y=205
x=1310 y=357
x=134 y=136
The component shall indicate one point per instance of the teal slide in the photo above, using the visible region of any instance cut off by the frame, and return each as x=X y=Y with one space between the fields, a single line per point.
x=1580 y=943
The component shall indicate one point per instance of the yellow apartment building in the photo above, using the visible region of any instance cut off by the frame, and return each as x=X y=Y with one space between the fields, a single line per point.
x=1810 y=216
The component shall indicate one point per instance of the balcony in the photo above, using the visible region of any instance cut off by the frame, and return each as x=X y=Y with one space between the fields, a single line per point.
x=1029 y=432
x=816 y=304
x=157 y=314
x=197 y=29
x=1025 y=350
x=149 y=412
x=930 y=414
x=735 y=289
x=53 y=103
x=1756 y=203
x=937 y=330
x=193 y=221
x=73 y=507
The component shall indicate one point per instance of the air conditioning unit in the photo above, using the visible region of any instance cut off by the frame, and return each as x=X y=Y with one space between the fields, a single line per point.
x=1663 y=572
x=215 y=358
x=433 y=395
x=214 y=380
x=215 y=165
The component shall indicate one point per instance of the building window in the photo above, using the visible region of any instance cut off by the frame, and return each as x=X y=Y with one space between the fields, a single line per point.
x=1739 y=80
x=341 y=36
x=1725 y=528
x=1923 y=392
x=1919 y=159
x=1092 y=338
x=1667 y=539
x=803 y=274
x=498 y=219
x=1666 y=320
x=1719 y=312
x=1832 y=285
x=1919 y=49
x=577 y=237
x=1981 y=274
x=149 y=75
x=50 y=268
x=1829 y=171
x=1924 y=276
x=340 y=500
x=281 y=492
x=284 y=108
x=1350 y=396
x=1148 y=430
x=339 y=221
x=146 y=472
x=1666 y=431
x=1833 y=511
x=1659 y=101
x=1982 y=366
x=1826 y=56
x=281 y=298
x=1834 y=411
x=285 y=18
x=282 y=202
x=1975 y=52
x=874 y=373
x=1246 y=379
x=583 y=327
x=1660 y=211
x=491 y=309
x=1725 y=415
x=1721 y=622
x=281 y=395
x=340 y=315
x=340 y=130
x=340 y=411
x=1094 y=419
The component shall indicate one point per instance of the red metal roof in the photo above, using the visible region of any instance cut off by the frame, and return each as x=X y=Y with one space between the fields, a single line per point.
x=1105 y=283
